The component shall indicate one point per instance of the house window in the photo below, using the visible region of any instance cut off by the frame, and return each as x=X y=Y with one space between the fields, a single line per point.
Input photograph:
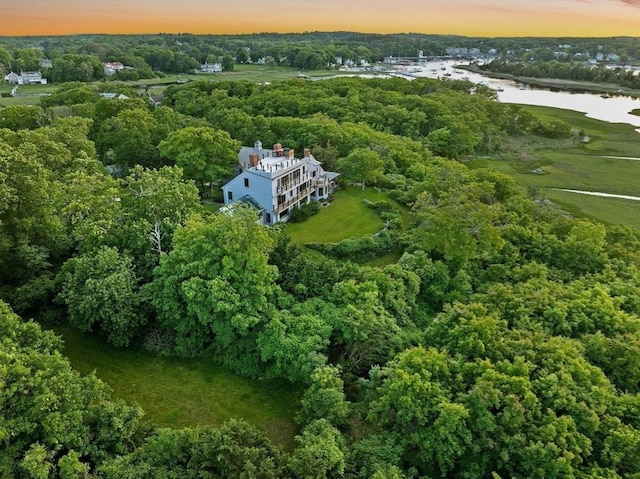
x=246 y=182
x=320 y=191
x=268 y=218
x=314 y=174
x=229 y=195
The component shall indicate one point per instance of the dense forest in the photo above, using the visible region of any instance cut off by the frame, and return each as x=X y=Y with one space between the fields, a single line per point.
x=503 y=343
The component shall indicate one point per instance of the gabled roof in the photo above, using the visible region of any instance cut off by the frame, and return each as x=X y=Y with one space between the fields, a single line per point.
x=117 y=96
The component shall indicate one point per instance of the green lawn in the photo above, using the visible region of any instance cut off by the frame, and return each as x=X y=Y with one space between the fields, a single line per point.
x=19 y=101
x=579 y=166
x=346 y=216
x=33 y=91
x=178 y=393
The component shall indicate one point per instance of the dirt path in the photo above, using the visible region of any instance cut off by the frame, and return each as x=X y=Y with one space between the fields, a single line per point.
x=621 y=157
x=597 y=193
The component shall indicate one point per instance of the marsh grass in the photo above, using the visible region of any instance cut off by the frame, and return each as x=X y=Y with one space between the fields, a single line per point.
x=574 y=164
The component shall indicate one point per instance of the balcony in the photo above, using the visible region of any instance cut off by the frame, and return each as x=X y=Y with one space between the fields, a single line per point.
x=287 y=186
x=300 y=196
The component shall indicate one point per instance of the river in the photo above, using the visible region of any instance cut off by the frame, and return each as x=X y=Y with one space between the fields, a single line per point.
x=614 y=109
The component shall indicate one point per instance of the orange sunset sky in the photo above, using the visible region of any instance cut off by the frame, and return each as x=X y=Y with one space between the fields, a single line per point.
x=463 y=17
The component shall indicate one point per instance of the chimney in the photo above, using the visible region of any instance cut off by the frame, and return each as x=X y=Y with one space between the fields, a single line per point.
x=254 y=159
x=290 y=153
x=277 y=149
x=307 y=153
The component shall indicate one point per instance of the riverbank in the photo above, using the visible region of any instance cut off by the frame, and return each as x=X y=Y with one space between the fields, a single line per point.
x=605 y=167
x=558 y=84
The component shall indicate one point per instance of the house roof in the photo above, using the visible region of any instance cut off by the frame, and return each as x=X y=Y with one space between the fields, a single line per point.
x=110 y=95
x=247 y=200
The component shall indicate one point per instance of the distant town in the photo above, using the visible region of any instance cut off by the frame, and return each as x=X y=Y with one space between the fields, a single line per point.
x=42 y=60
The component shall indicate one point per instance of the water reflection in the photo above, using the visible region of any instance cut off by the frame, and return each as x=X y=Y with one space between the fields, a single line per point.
x=614 y=109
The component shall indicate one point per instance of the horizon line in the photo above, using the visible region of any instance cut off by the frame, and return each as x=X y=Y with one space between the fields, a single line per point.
x=305 y=32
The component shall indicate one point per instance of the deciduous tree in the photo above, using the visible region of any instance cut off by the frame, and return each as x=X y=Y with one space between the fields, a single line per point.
x=206 y=155
x=216 y=286
x=362 y=165
x=101 y=292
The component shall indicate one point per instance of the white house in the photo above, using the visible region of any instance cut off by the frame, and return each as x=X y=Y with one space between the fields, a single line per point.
x=29 y=78
x=114 y=96
x=274 y=181
x=111 y=68
x=12 y=78
x=207 y=67
x=156 y=100
x=25 y=78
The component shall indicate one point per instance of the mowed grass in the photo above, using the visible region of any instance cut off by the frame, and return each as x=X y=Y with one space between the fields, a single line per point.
x=178 y=393
x=347 y=216
x=34 y=94
x=19 y=101
x=579 y=166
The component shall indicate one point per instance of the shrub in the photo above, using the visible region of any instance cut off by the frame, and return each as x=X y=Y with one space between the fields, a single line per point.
x=359 y=249
x=306 y=211
x=552 y=129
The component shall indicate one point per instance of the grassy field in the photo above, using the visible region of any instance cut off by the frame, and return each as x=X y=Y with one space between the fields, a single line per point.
x=178 y=393
x=255 y=73
x=33 y=93
x=252 y=73
x=580 y=166
x=345 y=217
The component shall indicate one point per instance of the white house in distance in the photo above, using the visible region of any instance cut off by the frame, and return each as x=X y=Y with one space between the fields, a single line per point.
x=114 y=96
x=111 y=68
x=25 y=78
x=274 y=181
x=207 y=67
